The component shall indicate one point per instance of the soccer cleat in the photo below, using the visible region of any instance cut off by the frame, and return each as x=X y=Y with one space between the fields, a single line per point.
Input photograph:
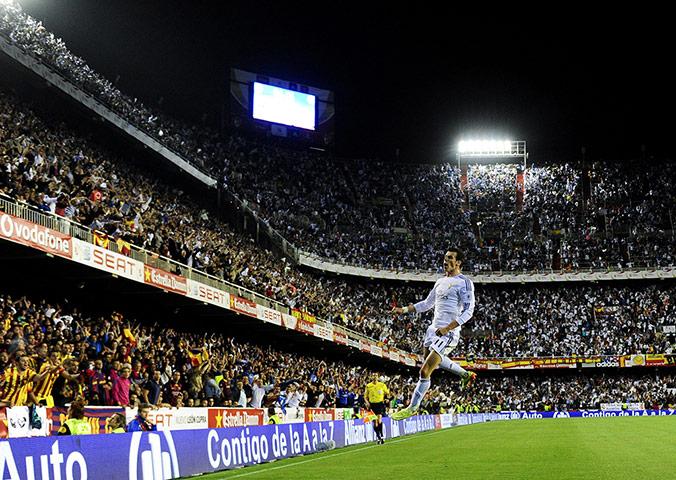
x=402 y=414
x=467 y=381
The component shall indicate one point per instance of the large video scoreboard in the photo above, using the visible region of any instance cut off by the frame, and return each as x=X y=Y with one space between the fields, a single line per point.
x=281 y=108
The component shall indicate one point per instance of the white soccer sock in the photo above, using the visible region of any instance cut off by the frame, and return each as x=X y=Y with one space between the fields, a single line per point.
x=419 y=393
x=451 y=366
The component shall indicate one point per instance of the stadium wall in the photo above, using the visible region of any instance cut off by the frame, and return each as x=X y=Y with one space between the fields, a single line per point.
x=18 y=422
x=183 y=453
x=489 y=278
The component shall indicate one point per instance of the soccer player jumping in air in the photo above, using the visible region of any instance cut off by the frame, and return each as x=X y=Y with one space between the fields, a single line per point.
x=450 y=294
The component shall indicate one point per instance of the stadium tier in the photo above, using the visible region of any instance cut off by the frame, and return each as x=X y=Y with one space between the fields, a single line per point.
x=572 y=216
x=227 y=281
x=50 y=168
x=118 y=360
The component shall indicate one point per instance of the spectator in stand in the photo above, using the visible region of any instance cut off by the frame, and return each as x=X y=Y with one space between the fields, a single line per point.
x=18 y=380
x=293 y=396
x=211 y=389
x=140 y=422
x=41 y=356
x=122 y=386
x=195 y=374
x=133 y=400
x=272 y=398
x=52 y=370
x=321 y=400
x=137 y=373
x=248 y=391
x=173 y=391
x=238 y=395
x=152 y=388
x=258 y=392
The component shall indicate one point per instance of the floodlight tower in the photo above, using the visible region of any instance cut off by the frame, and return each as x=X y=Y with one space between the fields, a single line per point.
x=487 y=152
x=491 y=151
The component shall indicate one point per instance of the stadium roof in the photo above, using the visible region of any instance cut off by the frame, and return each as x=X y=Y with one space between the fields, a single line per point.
x=413 y=80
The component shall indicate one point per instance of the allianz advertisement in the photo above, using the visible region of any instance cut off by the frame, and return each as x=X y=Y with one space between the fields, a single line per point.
x=182 y=453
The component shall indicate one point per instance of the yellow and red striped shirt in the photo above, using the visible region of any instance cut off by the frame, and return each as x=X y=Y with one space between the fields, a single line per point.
x=44 y=388
x=36 y=362
x=16 y=385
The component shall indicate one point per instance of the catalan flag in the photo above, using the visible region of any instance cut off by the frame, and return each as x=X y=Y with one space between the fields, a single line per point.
x=198 y=355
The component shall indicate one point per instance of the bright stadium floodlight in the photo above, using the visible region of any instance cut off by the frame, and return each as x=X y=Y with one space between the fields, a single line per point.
x=491 y=150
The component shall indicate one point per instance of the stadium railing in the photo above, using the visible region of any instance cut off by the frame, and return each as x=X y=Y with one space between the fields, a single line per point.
x=138 y=131
x=126 y=124
x=63 y=225
x=156 y=143
x=498 y=276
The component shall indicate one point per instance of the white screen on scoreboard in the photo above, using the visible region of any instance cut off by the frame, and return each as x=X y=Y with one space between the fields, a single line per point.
x=279 y=105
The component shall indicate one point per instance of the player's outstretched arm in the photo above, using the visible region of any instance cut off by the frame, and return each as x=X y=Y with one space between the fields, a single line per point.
x=402 y=310
x=423 y=306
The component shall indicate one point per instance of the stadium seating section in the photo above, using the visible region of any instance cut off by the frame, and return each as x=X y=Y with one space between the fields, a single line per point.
x=361 y=212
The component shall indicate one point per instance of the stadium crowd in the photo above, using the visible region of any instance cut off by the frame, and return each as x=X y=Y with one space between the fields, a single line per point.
x=53 y=353
x=51 y=168
x=583 y=320
x=565 y=393
x=367 y=213
x=356 y=211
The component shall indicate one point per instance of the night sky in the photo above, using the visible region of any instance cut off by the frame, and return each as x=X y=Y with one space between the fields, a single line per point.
x=416 y=81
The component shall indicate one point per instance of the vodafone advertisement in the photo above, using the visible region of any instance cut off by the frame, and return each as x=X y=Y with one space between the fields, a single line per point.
x=32 y=235
x=205 y=293
x=165 y=280
x=108 y=261
x=235 y=417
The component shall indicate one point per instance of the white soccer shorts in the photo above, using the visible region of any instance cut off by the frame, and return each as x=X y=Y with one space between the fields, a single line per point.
x=442 y=345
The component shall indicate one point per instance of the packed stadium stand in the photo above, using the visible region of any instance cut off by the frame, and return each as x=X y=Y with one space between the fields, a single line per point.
x=610 y=221
x=101 y=345
x=538 y=345
x=61 y=173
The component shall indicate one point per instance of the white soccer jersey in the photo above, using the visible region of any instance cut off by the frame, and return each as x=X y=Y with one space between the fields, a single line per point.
x=452 y=299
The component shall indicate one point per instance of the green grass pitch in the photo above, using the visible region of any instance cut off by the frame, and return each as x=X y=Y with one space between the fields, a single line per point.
x=626 y=448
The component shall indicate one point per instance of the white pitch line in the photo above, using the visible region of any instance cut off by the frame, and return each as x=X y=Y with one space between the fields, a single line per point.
x=245 y=474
